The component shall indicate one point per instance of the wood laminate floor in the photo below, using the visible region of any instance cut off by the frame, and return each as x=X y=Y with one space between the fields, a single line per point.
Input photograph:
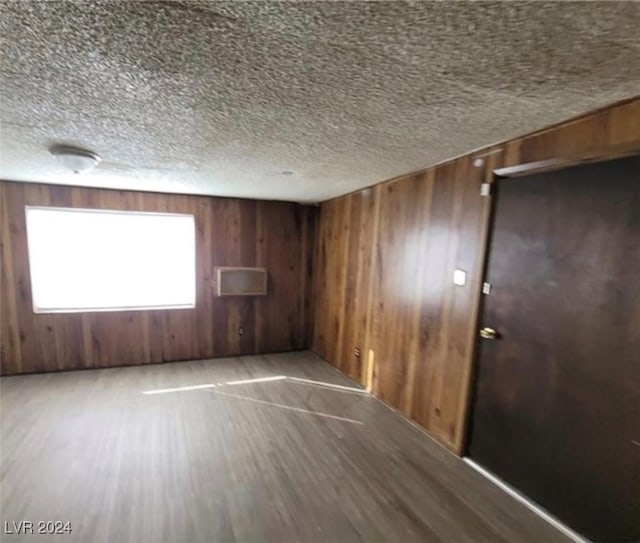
x=267 y=461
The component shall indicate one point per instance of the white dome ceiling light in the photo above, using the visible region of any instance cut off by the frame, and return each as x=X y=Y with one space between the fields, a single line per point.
x=75 y=159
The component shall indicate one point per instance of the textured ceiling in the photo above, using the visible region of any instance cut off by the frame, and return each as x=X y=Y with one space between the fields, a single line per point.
x=222 y=97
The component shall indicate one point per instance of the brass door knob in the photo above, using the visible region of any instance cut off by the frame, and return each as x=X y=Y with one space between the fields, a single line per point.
x=488 y=333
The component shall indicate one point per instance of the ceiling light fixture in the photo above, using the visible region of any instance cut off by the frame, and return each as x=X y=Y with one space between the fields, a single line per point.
x=75 y=159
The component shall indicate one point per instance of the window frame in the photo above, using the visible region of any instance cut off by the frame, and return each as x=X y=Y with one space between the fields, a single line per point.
x=112 y=309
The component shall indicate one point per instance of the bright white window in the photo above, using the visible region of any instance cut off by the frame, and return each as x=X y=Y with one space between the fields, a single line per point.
x=97 y=260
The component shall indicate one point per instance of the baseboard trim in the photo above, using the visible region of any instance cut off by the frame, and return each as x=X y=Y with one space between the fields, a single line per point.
x=527 y=502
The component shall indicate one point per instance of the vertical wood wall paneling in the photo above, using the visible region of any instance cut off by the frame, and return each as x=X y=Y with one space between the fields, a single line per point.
x=330 y=280
x=309 y=249
x=232 y=232
x=281 y=324
x=384 y=268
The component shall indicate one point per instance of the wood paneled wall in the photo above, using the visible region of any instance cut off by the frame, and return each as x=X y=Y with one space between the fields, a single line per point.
x=229 y=232
x=385 y=262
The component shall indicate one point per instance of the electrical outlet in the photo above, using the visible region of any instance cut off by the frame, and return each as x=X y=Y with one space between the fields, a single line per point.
x=241 y=331
x=356 y=352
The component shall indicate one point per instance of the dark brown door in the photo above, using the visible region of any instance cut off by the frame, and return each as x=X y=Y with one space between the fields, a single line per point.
x=557 y=402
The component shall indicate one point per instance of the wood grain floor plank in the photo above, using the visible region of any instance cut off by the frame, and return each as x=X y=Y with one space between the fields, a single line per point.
x=279 y=460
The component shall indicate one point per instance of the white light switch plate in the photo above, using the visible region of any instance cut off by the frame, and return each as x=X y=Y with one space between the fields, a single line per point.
x=459 y=278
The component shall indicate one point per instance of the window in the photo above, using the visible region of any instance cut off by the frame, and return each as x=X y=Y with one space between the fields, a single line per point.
x=97 y=260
